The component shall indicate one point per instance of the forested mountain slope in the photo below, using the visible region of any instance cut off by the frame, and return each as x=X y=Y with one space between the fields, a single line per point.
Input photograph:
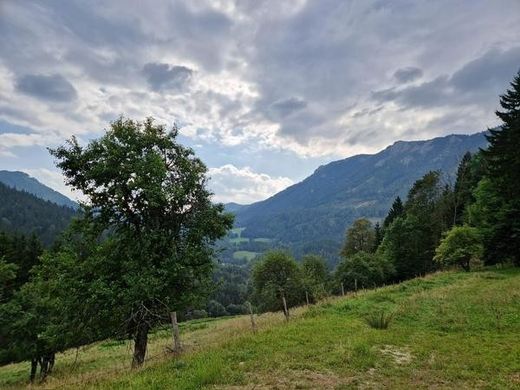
x=315 y=212
x=23 y=182
x=25 y=213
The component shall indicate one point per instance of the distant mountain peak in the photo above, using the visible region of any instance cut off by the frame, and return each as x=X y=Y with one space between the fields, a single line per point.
x=21 y=181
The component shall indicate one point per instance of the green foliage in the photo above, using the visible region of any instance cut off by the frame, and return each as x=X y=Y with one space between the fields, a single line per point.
x=462 y=246
x=315 y=276
x=502 y=195
x=363 y=270
x=216 y=309
x=360 y=237
x=274 y=276
x=396 y=211
x=149 y=194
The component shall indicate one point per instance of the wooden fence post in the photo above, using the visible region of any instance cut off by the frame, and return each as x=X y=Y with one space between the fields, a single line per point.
x=342 y=289
x=253 y=323
x=177 y=347
x=307 y=297
x=355 y=284
x=285 y=309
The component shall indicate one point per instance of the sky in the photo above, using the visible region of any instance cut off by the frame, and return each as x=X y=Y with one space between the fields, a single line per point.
x=263 y=91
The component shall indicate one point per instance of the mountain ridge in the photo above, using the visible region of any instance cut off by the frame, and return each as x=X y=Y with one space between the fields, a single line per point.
x=323 y=205
x=21 y=181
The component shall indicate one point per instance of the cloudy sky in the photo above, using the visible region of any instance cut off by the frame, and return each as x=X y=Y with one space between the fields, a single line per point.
x=264 y=91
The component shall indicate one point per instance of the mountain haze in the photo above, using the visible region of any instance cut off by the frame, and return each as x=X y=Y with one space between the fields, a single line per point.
x=23 y=182
x=314 y=213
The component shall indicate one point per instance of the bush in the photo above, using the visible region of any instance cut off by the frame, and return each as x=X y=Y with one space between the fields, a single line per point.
x=462 y=246
x=216 y=309
x=237 y=309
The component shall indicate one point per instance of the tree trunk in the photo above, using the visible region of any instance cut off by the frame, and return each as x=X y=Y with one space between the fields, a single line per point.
x=34 y=368
x=140 y=344
x=52 y=358
x=44 y=367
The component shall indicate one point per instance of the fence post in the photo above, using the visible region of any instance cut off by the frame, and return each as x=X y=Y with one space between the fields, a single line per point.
x=355 y=284
x=177 y=347
x=342 y=289
x=307 y=297
x=285 y=309
x=251 y=315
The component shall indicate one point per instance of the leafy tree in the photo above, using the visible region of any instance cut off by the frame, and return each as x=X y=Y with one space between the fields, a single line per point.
x=148 y=194
x=364 y=270
x=462 y=246
x=274 y=276
x=503 y=165
x=359 y=237
x=396 y=210
x=315 y=276
x=216 y=309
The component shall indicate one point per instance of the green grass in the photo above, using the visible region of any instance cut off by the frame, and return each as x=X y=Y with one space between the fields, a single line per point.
x=265 y=240
x=449 y=330
x=247 y=255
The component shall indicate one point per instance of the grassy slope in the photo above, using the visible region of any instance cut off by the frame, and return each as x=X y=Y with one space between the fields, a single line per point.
x=456 y=330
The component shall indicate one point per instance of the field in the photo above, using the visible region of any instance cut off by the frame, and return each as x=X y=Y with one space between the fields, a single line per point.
x=247 y=255
x=448 y=330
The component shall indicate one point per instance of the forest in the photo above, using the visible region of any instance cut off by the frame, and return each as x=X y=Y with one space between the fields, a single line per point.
x=144 y=243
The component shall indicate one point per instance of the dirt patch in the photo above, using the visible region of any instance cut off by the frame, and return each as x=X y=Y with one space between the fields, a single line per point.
x=400 y=355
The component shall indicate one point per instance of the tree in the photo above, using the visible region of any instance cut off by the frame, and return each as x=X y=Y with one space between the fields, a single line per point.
x=148 y=204
x=359 y=237
x=315 y=276
x=274 y=276
x=503 y=173
x=363 y=270
x=396 y=210
x=462 y=245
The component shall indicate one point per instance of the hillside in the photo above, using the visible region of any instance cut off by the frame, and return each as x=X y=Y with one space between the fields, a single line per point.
x=25 y=213
x=23 y=182
x=316 y=211
x=449 y=330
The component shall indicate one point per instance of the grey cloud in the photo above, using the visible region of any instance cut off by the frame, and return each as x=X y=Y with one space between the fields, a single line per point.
x=285 y=107
x=479 y=81
x=53 y=87
x=405 y=75
x=492 y=72
x=165 y=76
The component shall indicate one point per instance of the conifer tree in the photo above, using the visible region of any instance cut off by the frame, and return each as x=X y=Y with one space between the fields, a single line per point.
x=503 y=165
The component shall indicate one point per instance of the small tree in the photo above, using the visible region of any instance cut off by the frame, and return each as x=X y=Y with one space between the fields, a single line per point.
x=315 y=276
x=276 y=275
x=462 y=246
x=364 y=270
x=147 y=200
x=359 y=237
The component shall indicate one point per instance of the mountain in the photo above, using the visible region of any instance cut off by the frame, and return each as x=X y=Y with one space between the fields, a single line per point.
x=23 y=182
x=25 y=213
x=312 y=215
x=234 y=207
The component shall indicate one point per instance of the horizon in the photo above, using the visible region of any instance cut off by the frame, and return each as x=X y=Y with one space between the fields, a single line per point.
x=264 y=93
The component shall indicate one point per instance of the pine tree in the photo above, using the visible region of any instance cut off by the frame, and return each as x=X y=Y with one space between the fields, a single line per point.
x=503 y=165
x=396 y=210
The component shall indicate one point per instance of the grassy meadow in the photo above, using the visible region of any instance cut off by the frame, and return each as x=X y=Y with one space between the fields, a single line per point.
x=447 y=330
